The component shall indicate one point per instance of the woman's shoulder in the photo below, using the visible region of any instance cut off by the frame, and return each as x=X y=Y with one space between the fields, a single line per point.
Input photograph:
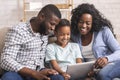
x=104 y=31
x=105 y=28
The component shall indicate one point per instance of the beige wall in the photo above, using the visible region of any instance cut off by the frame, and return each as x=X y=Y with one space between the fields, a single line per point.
x=12 y=10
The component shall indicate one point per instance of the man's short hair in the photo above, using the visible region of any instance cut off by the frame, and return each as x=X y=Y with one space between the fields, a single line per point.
x=50 y=9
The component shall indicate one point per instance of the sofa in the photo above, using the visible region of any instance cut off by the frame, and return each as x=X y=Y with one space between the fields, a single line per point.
x=4 y=30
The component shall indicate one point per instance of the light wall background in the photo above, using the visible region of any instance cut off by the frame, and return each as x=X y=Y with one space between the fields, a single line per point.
x=11 y=11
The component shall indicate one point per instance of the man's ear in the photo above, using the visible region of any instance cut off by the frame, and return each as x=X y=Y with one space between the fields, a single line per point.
x=42 y=16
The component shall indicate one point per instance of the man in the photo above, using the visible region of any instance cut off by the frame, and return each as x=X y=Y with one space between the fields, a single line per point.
x=24 y=50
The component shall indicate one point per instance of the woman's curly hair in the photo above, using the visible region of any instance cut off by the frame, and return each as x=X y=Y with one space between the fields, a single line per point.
x=98 y=20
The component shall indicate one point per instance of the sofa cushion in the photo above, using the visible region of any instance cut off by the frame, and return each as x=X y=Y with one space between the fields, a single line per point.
x=3 y=32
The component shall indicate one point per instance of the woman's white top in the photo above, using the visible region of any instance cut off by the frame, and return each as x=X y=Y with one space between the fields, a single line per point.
x=87 y=52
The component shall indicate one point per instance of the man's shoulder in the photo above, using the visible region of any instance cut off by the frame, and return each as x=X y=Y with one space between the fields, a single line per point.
x=18 y=29
x=20 y=25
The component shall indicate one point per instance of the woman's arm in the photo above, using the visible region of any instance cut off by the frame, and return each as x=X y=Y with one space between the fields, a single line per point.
x=112 y=44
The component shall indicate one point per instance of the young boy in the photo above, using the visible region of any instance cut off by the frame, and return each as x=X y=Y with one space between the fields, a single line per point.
x=62 y=52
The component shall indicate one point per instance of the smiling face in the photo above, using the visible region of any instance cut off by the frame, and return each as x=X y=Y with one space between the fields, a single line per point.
x=47 y=26
x=85 y=24
x=63 y=36
x=51 y=23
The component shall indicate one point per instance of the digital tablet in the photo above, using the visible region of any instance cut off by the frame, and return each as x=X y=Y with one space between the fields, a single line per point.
x=79 y=70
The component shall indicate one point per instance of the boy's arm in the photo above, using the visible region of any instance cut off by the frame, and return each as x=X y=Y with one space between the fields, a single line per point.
x=78 y=60
x=56 y=66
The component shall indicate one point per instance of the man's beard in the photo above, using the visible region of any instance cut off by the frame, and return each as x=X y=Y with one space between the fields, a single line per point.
x=51 y=33
x=43 y=30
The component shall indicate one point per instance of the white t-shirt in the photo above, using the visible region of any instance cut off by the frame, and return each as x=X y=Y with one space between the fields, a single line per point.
x=87 y=52
x=64 y=56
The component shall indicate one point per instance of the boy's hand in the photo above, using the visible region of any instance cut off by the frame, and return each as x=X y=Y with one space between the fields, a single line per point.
x=66 y=76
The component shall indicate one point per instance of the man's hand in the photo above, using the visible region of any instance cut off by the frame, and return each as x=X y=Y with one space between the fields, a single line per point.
x=101 y=62
x=48 y=72
x=40 y=76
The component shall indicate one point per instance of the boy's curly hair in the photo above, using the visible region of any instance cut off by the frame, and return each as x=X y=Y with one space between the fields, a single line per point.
x=98 y=20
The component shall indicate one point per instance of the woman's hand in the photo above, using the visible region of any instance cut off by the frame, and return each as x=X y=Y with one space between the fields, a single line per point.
x=91 y=73
x=101 y=62
x=66 y=75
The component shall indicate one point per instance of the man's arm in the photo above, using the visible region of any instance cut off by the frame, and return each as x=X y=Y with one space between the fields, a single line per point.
x=13 y=43
x=34 y=74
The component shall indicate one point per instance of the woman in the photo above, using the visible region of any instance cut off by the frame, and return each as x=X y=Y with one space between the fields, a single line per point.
x=94 y=34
